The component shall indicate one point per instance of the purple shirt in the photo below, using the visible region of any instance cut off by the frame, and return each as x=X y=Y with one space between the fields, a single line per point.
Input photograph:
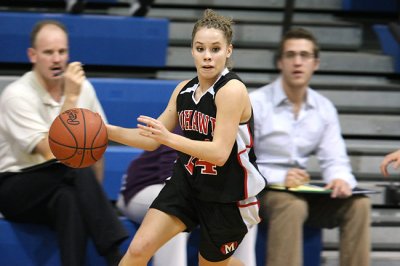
x=150 y=168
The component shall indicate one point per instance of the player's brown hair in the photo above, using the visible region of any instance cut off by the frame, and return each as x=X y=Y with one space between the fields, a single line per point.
x=213 y=20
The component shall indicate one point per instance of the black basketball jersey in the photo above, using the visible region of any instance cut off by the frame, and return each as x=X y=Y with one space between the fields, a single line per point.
x=239 y=177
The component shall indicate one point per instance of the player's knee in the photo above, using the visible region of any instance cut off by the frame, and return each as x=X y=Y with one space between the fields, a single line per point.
x=235 y=262
x=136 y=250
x=141 y=248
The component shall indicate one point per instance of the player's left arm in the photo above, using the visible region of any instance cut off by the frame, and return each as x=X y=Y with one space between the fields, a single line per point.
x=233 y=107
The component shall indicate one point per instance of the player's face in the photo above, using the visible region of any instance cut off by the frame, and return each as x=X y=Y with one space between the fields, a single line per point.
x=298 y=63
x=210 y=51
x=50 y=53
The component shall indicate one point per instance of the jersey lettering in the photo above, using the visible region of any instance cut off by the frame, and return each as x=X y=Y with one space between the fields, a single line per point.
x=206 y=167
x=190 y=165
x=190 y=120
x=212 y=120
x=203 y=123
x=229 y=247
x=185 y=119
x=195 y=121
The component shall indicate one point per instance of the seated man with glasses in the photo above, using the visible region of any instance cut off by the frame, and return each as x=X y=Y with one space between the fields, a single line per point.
x=292 y=122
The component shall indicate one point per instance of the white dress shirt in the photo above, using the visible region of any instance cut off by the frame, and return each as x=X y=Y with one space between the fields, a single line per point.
x=282 y=142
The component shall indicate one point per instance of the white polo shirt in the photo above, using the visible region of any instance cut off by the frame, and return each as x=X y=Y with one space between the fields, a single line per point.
x=26 y=113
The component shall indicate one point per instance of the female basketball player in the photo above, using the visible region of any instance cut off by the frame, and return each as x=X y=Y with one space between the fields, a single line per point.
x=215 y=180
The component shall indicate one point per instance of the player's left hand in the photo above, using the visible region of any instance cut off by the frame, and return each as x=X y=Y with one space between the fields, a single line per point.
x=153 y=128
x=340 y=188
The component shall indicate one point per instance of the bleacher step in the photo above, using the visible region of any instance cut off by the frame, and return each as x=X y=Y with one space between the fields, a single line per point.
x=244 y=16
x=262 y=35
x=382 y=237
x=370 y=125
x=365 y=167
x=371 y=146
x=255 y=80
x=357 y=101
x=263 y=59
x=305 y=4
x=378 y=258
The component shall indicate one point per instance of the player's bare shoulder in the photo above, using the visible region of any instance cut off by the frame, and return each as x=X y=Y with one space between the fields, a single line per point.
x=234 y=86
x=181 y=85
x=235 y=94
x=178 y=88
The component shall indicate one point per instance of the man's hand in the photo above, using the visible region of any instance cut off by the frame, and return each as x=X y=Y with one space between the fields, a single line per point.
x=392 y=158
x=296 y=177
x=340 y=188
x=74 y=77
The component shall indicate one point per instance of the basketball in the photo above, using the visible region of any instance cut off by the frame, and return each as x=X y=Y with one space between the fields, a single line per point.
x=78 y=137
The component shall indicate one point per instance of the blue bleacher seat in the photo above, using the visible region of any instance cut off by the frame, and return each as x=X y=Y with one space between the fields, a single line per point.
x=124 y=100
x=117 y=159
x=389 y=44
x=388 y=6
x=103 y=40
x=312 y=245
x=36 y=245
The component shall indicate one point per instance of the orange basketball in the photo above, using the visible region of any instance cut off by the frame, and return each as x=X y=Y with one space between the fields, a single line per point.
x=78 y=137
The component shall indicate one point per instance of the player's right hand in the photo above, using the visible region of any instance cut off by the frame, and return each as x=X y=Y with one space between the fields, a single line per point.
x=296 y=177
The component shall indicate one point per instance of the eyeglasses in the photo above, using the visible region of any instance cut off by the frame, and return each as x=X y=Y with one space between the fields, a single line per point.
x=303 y=55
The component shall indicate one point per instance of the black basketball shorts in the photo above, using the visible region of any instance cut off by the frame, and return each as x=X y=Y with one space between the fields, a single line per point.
x=222 y=225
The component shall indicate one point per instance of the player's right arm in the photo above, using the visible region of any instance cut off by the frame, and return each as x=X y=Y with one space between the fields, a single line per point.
x=133 y=137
